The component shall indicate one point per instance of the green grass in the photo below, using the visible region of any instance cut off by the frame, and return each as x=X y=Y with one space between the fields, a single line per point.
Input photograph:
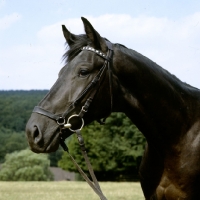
x=68 y=191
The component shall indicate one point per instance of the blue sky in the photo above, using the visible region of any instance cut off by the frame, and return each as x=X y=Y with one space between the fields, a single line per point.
x=32 y=44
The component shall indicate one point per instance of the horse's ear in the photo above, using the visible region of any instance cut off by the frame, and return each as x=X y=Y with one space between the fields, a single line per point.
x=70 y=38
x=94 y=36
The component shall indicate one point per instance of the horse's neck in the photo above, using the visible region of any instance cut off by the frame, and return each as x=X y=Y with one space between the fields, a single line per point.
x=155 y=100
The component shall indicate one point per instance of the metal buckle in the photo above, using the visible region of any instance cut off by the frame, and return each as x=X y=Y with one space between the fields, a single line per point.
x=84 y=109
x=62 y=121
x=75 y=115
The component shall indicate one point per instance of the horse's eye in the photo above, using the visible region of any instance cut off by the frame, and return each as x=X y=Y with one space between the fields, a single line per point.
x=83 y=72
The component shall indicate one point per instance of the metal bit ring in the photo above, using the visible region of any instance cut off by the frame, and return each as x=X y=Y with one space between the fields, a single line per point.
x=75 y=115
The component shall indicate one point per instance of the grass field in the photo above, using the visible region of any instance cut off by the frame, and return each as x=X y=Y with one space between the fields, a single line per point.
x=68 y=191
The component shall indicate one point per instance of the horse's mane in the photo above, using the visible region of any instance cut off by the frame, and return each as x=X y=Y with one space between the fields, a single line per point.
x=82 y=40
x=154 y=66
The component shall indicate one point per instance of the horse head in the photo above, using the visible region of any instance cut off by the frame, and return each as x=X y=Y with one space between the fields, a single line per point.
x=82 y=93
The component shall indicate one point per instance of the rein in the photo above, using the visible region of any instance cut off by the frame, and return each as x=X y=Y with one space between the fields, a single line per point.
x=92 y=89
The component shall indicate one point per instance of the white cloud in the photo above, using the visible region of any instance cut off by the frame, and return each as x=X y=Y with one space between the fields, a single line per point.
x=175 y=45
x=30 y=66
x=8 y=20
x=54 y=31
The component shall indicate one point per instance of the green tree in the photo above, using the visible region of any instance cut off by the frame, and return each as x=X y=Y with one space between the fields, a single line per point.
x=54 y=157
x=16 y=107
x=115 y=149
x=11 y=141
x=25 y=166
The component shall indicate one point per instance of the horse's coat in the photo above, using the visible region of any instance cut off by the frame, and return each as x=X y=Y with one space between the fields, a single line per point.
x=166 y=110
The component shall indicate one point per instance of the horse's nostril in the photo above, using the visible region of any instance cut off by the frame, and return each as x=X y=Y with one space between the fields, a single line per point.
x=36 y=135
x=36 y=132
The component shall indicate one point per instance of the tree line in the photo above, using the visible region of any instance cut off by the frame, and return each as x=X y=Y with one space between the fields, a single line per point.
x=115 y=149
x=16 y=107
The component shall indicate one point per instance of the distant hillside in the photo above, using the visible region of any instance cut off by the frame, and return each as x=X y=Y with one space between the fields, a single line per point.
x=16 y=107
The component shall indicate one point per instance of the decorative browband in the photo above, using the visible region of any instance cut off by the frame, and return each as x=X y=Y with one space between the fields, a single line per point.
x=88 y=48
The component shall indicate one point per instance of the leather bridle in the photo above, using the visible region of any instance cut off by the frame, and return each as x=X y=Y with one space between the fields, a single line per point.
x=92 y=89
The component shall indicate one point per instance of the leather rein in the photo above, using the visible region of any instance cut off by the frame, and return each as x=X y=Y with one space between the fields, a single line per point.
x=92 y=89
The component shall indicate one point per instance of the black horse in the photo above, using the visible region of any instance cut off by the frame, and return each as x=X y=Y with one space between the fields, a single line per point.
x=112 y=78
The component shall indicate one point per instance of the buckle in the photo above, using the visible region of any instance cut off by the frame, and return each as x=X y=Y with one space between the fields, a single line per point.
x=84 y=109
x=61 y=121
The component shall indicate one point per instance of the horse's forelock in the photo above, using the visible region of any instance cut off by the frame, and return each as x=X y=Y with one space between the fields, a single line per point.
x=74 y=49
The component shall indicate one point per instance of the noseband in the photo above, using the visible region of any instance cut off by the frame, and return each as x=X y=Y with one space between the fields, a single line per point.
x=92 y=88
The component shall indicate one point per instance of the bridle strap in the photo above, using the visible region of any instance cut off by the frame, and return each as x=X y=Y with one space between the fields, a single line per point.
x=92 y=85
x=94 y=185
x=110 y=55
x=41 y=111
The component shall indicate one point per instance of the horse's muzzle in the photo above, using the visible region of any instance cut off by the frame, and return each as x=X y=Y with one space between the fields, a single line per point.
x=41 y=138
